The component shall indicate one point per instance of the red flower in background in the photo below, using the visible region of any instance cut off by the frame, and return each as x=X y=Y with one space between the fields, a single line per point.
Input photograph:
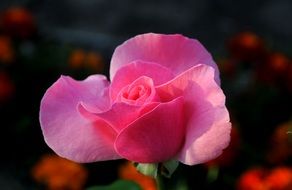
x=281 y=144
x=57 y=173
x=6 y=50
x=246 y=46
x=279 y=178
x=273 y=69
x=7 y=87
x=252 y=180
x=17 y=22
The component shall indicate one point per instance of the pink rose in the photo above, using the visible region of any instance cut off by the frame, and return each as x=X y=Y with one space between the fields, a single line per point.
x=164 y=102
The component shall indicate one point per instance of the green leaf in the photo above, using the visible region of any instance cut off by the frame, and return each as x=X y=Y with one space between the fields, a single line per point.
x=213 y=173
x=169 y=167
x=148 y=169
x=117 y=185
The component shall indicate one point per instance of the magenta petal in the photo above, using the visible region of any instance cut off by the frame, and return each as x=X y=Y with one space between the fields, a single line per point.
x=130 y=72
x=157 y=136
x=208 y=127
x=67 y=132
x=176 y=52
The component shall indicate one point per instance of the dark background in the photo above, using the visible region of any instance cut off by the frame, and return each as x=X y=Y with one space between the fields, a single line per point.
x=101 y=25
x=93 y=22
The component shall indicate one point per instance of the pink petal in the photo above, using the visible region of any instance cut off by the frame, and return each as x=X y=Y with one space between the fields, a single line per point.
x=208 y=127
x=119 y=115
x=67 y=132
x=176 y=52
x=130 y=72
x=156 y=136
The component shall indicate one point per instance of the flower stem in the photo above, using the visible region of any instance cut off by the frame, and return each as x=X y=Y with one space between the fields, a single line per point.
x=159 y=182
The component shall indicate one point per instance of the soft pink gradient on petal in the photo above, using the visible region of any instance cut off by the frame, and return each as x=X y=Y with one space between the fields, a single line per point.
x=209 y=144
x=130 y=72
x=157 y=136
x=176 y=52
x=68 y=133
x=206 y=113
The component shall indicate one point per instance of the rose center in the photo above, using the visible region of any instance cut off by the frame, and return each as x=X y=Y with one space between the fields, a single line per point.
x=134 y=93
x=139 y=92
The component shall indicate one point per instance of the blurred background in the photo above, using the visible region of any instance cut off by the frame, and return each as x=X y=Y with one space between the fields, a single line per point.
x=250 y=40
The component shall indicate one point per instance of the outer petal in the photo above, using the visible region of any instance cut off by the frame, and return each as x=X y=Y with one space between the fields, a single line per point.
x=156 y=136
x=67 y=132
x=130 y=72
x=208 y=127
x=176 y=52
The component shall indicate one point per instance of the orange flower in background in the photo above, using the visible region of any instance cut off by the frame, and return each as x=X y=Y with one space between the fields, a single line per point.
x=76 y=59
x=17 y=22
x=128 y=172
x=57 y=173
x=6 y=50
x=246 y=46
x=279 y=178
x=7 y=87
x=94 y=61
x=281 y=144
x=79 y=59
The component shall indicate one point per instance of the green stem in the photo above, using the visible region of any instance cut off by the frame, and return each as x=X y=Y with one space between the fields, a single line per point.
x=159 y=182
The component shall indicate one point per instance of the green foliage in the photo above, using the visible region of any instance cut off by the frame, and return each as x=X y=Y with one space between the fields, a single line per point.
x=118 y=185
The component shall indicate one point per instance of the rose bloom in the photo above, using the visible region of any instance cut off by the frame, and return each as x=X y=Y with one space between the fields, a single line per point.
x=164 y=102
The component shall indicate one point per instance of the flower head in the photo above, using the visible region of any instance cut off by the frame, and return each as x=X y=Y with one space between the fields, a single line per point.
x=164 y=102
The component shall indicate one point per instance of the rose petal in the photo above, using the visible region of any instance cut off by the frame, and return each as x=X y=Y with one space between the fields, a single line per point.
x=68 y=133
x=119 y=115
x=208 y=127
x=204 y=146
x=156 y=136
x=176 y=52
x=130 y=72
